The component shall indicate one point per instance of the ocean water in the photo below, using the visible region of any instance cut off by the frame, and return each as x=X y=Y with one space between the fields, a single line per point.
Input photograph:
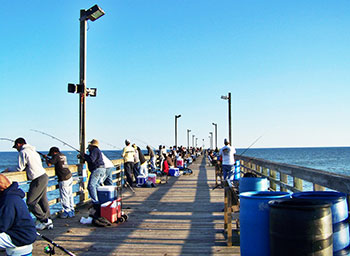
x=331 y=159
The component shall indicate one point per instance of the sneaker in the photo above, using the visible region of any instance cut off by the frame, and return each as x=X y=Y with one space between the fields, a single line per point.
x=71 y=214
x=64 y=215
x=44 y=225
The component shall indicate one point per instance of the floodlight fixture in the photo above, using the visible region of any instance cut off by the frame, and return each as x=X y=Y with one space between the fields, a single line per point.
x=93 y=13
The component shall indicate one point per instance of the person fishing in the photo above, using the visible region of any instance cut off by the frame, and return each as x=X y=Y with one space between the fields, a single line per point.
x=128 y=155
x=152 y=157
x=17 y=228
x=98 y=172
x=228 y=160
x=65 y=180
x=29 y=161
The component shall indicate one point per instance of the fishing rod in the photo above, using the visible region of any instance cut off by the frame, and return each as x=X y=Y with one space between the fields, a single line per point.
x=7 y=139
x=251 y=145
x=145 y=143
x=113 y=146
x=55 y=138
x=51 y=250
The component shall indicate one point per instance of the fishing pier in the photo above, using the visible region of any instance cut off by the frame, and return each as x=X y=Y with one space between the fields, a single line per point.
x=184 y=216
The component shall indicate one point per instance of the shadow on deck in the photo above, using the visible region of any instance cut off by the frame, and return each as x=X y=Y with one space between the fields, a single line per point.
x=181 y=217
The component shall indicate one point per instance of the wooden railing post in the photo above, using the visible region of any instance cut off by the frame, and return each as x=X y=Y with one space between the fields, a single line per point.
x=284 y=179
x=317 y=187
x=298 y=183
x=272 y=183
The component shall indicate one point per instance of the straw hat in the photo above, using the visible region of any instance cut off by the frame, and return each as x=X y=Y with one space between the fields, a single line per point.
x=94 y=143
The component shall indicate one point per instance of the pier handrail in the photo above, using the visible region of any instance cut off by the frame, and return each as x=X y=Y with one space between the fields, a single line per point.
x=318 y=178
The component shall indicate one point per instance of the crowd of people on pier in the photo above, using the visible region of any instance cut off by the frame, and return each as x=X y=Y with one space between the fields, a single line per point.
x=17 y=236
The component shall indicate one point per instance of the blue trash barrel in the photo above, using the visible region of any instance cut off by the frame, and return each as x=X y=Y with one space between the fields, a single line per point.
x=340 y=214
x=254 y=221
x=253 y=184
x=237 y=173
x=300 y=227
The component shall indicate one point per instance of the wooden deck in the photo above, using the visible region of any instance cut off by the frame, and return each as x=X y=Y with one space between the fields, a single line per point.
x=182 y=217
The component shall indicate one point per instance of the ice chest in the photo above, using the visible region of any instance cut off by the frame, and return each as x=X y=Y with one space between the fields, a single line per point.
x=107 y=193
x=179 y=163
x=111 y=210
x=174 y=172
x=152 y=178
x=141 y=180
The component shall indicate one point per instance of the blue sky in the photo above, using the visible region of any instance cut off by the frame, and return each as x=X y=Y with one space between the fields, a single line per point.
x=286 y=64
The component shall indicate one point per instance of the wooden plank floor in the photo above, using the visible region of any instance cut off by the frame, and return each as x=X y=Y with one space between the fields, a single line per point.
x=182 y=217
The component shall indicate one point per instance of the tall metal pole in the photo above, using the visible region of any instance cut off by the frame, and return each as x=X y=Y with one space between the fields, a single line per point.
x=188 y=138
x=216 y=134
x=229 y=118
x=211 y=140
x=176 y=117
x=193 y=140
x=176 y=132
x=82 y=71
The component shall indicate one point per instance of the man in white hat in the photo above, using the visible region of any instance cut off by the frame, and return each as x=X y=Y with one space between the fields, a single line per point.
x=228 y=159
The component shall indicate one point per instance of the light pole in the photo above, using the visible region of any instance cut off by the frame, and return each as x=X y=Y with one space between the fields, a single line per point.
x=196 y=141
x=176 y=117
x=193 y=140
x=211 y=140
x=203 y=143
x=228 y=97
x=216 y=134
x=188 y=138
x=92 y=14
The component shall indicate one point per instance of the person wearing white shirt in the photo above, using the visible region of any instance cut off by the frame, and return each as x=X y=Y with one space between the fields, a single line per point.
x=228 y=159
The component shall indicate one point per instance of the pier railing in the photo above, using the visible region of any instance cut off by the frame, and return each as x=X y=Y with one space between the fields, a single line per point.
x=80 y=192
x=286 y=177
x=282 y=177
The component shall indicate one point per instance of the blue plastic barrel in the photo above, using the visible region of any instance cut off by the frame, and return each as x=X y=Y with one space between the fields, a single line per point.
x=253 y=184
x=340 y=215
x=254 y=221
x=237 y=173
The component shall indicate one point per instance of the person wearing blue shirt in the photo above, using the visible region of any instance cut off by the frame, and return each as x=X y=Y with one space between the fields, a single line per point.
x=17 y=228
x=98 y=171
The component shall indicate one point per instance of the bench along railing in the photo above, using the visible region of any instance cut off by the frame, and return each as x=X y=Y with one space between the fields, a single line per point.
x=80 y=192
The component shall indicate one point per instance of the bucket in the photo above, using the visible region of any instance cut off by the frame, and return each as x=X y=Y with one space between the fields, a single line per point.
x=237 y=173
x=107 y=193
x=252 y=184
x=300 y=227
x=254 y=221
x=340 y=214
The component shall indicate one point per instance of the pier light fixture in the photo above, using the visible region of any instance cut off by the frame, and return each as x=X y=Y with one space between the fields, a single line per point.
x=216 y=134
x=92 y=14
x=188 y=138
x=228 y=98
x=176 y=117
x=193 y=140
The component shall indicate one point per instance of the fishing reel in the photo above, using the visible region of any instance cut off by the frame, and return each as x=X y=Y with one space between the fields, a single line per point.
x=49 y=250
